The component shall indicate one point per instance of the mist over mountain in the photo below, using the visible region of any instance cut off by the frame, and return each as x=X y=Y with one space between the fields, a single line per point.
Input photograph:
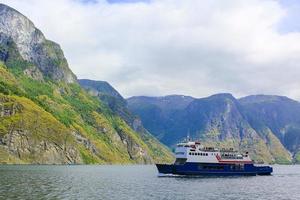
x=266 y=126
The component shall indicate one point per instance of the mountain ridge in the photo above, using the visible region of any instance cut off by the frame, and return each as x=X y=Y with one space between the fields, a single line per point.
x=260 y=124
x=113 y=99
x=46 y=117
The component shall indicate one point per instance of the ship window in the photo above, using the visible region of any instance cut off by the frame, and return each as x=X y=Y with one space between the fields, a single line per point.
x=206 y=154
x=190 y=153
x=237 y=167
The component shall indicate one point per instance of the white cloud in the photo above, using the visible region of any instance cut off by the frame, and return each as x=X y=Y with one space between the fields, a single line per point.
x=164 y=47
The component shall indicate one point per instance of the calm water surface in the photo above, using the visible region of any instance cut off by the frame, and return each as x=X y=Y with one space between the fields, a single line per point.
x=140 y=182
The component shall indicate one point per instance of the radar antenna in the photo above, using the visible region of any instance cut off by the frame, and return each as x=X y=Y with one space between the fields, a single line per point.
x=188 y=136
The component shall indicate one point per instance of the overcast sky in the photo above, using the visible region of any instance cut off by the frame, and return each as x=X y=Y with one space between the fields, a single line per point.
x=186 y=47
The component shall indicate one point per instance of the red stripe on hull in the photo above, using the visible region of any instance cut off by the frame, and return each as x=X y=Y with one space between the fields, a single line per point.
x=232 y=161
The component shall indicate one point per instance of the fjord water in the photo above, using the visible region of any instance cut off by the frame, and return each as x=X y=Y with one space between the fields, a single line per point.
x=140 y=182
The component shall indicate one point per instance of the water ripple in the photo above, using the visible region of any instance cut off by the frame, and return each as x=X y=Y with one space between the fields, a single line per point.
x=140 y=182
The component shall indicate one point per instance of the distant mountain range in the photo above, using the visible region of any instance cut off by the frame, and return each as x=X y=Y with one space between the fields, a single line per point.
x=46 y=117
x=266 y=126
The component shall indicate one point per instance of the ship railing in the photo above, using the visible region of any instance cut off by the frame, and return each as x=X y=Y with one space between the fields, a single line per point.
x=208 y=150
x=231 y=157
x=228 y=150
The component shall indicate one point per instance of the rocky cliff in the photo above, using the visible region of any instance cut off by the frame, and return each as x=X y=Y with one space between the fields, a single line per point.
x=28 y=134
x=45 y=115
x=43 y=56
x=118 y=105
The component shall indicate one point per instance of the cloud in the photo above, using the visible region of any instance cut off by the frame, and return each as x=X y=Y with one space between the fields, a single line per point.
x=164 y=47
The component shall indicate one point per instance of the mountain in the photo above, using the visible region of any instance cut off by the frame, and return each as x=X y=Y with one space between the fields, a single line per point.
x=46 y=117
x=22 y=41
x=279 y=114
x=100 y=88
x=160 y=115
x=106 y=94
x=265 y=126
x=118 y=105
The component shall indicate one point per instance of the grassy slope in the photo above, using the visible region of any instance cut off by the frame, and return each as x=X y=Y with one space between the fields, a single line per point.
x=266 y=149
x=69 y=109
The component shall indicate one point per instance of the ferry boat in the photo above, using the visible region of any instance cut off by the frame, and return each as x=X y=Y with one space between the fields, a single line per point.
x=192 y=158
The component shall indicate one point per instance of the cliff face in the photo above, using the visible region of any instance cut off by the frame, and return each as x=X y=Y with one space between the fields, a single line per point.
x=46 y=117
x=278 y=114
x=267 y=128
x=29 y=134
x=118 y=105
x=32 y=46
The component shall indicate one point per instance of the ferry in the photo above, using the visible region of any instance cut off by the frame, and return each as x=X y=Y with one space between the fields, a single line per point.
x=192 y=158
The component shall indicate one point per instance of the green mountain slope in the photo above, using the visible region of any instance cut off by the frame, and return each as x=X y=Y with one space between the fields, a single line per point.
x=118 y=105
x=280 y=115
x=46 y=117
x=266 y=129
